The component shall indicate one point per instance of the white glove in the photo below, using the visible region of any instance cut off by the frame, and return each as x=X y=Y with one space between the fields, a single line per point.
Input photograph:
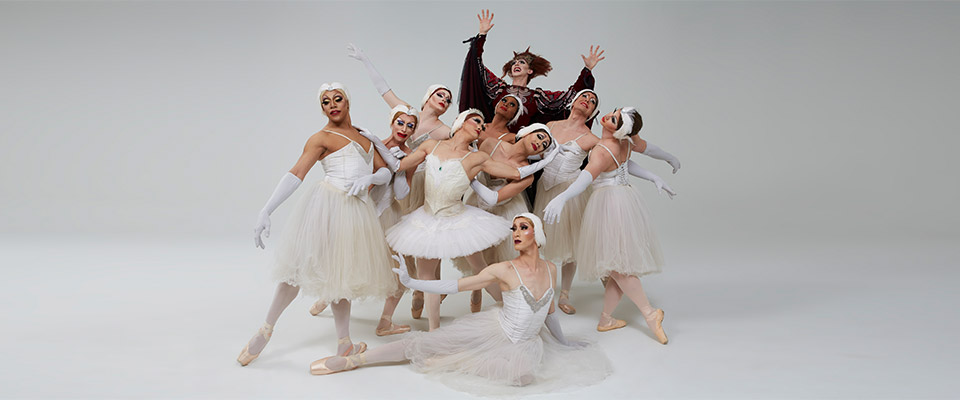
x=392 y=162
x=528 y=170
x=653 y=151
x=288 y=184
x=400 y=187
x=552 y=212
x=378 y=82
x=444 y=286
x=641 y=173
x=488 y=197
x=380 y=177
x=553 y=325
x=399 y=154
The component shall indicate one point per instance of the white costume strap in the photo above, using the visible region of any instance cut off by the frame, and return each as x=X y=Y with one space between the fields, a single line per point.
x=499 y=140
x=345 y=137
x=517 y=272
x=611 y=153
x=435 y=147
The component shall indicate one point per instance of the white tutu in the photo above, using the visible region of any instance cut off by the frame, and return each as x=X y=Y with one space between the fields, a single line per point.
x=563 y=235
x=421 y=234
x=616 y=235
x=473 y=354
x=503 y=251
x=333 y=247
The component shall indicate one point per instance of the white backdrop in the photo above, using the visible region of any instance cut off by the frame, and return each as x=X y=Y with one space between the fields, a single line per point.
x=805 y=118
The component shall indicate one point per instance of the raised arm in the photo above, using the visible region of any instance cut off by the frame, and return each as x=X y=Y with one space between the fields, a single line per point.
x=414 y=159
x=378 y=82
x=552 y=103
x=478 y=85
x=651 y=150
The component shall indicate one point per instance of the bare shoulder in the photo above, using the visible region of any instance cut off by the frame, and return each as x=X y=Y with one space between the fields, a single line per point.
x=553 y=268
x=443 y=131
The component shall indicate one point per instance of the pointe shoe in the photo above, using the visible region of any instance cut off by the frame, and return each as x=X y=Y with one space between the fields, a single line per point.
x=416 y=308
x=319 y=367
x=393 y=329
x=476 y=301
x=614 y=323
x=567 y=308
x=354 y=349
x=245 y=357
x=656 y=326
x=318 y=307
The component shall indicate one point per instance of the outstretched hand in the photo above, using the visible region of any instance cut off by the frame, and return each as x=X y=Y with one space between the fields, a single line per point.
x=263 y=227
x=486 y=21
x=594 y=58
x=662 y=187
x=402 y=270
x=354 y=52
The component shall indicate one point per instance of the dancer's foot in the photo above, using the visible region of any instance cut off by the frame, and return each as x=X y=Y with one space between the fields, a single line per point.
x=253 y=348
x=564 y=303
x=318 y=307
x=334 y=364
x=476 y=301
x=417 y=304
x=345 y=347
x=655 y=322
x=387 y=327
x=609 y=323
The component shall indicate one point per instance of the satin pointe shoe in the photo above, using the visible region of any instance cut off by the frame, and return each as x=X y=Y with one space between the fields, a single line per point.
x=611 y=323
x=655 y=322
x=355 y=348
x=567 y=308
x=476 y=301
x=393 y=329
x=318 y=307
x=319 y=367
x=245 y=357
x=416 y=308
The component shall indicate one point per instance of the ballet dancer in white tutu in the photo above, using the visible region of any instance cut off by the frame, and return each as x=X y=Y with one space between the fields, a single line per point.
x=444 y=227
x=503 y=350
x=616 y=239
x=333 y=246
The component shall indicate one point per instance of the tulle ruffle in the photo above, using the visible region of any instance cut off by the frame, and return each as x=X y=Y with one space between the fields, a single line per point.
x=616 y=235
x=424 y=235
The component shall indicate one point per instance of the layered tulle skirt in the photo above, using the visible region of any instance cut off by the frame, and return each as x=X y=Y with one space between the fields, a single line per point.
x=617 y=235
x=333 y=247
x=425 y=235
x=473 y=354
x=562 y=236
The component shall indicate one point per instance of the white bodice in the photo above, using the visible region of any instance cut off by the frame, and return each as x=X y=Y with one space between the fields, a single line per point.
x=347 y=164
x=615 y=177
x=565 y=167
x=444 y=184
x=522 y=315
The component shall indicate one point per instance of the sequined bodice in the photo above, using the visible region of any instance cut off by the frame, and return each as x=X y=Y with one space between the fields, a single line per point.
x=347 y=164
x=444 y=184
x=564 y=168
x=615 y=177
x=522 y=315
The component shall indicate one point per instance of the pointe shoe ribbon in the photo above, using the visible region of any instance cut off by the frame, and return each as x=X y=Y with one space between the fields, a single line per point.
x=613 y=324
x=245 y=357
x=567 y=308
x=319 y=367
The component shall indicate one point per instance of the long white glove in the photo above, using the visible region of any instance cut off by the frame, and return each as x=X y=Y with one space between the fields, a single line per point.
x=641 y=173
x=378 y=82
x=379 y=177
x=553 y=325
x=440 y=286
x=488 y=197
x=552 y=212
x=400 y=187
x=528 y=170
x=653 y=151
x=399 y=154
x=288 y=184
x=392 y=162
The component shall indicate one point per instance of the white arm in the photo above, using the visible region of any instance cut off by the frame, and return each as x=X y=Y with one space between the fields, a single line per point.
x=653 y=151
x=552 y=212
x=380 y=177
x=488 y=197
x=392 y=162
x=288 y=184
x=641 y=173
x=528 y=170
x=444 y=286
x=553 y=325
x=400 y=187
x=378 y=81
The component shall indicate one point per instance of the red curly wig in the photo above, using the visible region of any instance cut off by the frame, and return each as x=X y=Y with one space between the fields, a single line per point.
x=539 y=65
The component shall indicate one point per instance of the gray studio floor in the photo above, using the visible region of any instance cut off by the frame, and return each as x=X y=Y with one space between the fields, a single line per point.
x=748 y=317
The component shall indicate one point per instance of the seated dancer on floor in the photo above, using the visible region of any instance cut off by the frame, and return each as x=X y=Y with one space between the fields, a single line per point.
x=502 y=197
x=503 y=350
x=616 y=239
x=436 y=101
x=480 y=88
x=444 y=227
x=574 y=139
x=340 y=267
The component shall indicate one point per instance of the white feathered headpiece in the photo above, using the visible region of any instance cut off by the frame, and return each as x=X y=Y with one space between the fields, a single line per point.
x=520 y=109
x=537 y=227
x=627 y=123
x=430 y=91
x=463 y=117
x=404 y=109
x=533 y=128
x=326 y=87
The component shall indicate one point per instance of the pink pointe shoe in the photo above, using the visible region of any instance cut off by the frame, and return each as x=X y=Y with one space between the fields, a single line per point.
x=245 y=357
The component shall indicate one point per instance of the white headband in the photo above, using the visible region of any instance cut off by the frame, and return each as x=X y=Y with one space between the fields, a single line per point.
x=520 y=109
x=537 y=227
x=326 y=87
x=627 y=123
x=536 y=127
x=462 y=118
x=596 y=110
x=404 y=109
x=431 y=90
